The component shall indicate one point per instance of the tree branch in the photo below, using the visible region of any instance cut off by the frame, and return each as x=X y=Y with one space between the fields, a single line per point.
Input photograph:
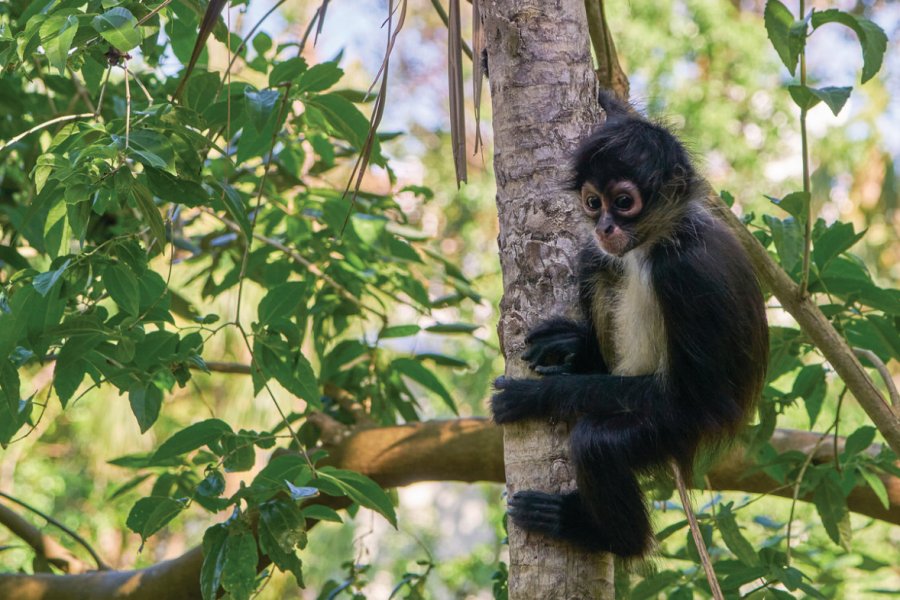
x=819 y=330
x=44 y=545
x=469 y=450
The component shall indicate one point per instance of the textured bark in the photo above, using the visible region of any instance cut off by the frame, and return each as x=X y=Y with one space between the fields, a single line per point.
x=543 y=93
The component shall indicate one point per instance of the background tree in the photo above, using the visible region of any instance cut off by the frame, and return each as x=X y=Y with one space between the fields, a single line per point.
x=129 y=221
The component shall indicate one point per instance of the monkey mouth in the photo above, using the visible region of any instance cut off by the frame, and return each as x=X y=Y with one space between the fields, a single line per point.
x=616 y=244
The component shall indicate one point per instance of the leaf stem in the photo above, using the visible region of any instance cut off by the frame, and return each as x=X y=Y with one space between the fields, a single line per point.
x=44 y=125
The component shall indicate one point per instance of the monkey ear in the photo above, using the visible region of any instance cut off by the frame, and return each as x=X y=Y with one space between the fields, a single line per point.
x=612 y=105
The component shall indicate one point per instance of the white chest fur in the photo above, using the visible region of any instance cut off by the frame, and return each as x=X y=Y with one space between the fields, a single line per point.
x=637 y=323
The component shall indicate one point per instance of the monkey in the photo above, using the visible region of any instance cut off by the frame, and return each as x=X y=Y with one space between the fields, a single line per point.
x=672 y=349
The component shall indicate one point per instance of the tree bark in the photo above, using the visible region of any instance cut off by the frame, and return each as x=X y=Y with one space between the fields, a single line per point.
x=543 y=93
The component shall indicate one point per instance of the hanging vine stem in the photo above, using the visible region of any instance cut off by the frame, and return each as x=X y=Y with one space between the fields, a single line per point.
x=809 y=458
x=696 y=534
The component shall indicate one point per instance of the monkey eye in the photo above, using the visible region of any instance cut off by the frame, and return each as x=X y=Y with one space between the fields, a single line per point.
x=623 y=202
x=593 y=203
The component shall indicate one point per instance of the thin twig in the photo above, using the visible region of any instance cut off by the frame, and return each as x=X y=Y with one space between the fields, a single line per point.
x=282 y=414
x=150 y=14
x=101 y=565
x=885 y=375
x=102 y=91
x=44 y=125
x=140 y=85
x=804 y=147
x=695 y=533
x=243 y=44
x=359 y=169
x=127 y=105
x=282 y=111
x=799 y=480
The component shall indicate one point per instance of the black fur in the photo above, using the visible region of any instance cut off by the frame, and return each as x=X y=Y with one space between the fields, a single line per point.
x=622 y=426
x=630 y=147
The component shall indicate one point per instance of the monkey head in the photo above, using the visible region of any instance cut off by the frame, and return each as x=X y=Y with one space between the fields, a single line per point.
x=635 y=180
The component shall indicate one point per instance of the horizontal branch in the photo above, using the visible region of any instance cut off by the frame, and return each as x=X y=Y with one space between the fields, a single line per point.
x=468 y=450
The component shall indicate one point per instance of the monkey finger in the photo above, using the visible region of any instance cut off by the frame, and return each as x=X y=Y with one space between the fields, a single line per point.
x=553 y=327
x=544 y=352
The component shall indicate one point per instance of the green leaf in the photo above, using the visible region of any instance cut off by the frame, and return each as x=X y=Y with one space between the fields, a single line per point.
x=877 y=485
x=282 y=530
x=150 y=148
x=122 y=286
x=71 y=365
x=177 y=190
x=192 y=437
x=262 y=42
x=787 y=43
x=361 y=490
x=811 y=387
x=282 y=301
x=287 y=467
x=418 y=373
x=398 y=331
x=231 y=198
x=57 y=34
x=44 y=282
x=803 y=96
x=118 y=27
x=238 y=453
x=834 y=97
x=733 y=538
x=858 y=441
x=452 y=328
x=239 y=570
x=872 y=38
x=788 y=239
x=212 y=485
x=795 y=204
x=9 y=387
x=287 y=70
x=443 y=360
x=652 y=586
x=321 y=513
x=56 y=229
x=150 y=213
x=835 y=240
x=346 y=120
x=832 y=508
x=260 y=105
x=320 y=77
x=149 y=515
x=146 y=400
x=213 y=560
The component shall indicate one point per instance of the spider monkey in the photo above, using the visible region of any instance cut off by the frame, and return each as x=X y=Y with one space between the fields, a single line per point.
x=671 y=353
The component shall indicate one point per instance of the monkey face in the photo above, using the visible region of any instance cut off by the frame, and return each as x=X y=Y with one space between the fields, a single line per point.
x=615 y=210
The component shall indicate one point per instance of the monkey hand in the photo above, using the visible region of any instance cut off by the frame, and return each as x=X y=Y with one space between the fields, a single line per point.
x=517 y=399
x=555 y=346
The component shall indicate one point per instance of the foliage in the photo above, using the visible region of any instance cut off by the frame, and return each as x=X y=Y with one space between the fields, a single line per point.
x=799 y=380
x=125 y=264
x=127 y=217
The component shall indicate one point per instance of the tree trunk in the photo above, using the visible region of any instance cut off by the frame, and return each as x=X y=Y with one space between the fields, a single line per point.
x=543 y=93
